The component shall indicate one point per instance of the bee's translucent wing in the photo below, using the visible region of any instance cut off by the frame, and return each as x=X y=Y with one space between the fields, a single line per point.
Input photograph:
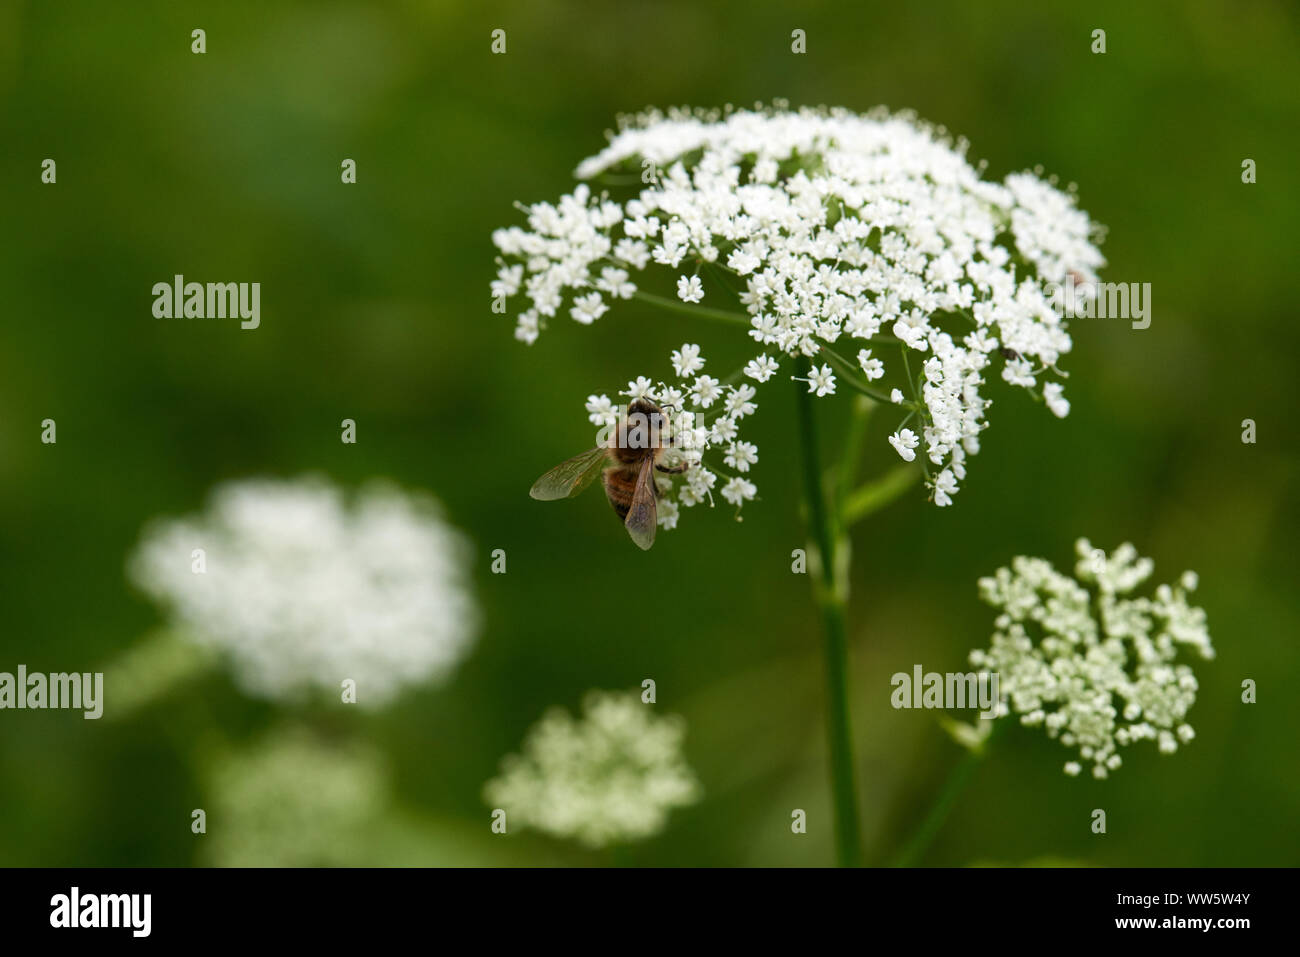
x=570 y=477
x=643 y=516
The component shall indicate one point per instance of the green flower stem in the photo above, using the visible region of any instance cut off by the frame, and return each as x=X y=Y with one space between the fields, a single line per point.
x=692 y=309
x=934 y=819
x=873 y=496
x=830 y=589
x=861 y=412
x=152 y=669
x=847 y=374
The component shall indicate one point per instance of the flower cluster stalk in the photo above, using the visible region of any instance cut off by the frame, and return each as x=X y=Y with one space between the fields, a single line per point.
x=830 y=589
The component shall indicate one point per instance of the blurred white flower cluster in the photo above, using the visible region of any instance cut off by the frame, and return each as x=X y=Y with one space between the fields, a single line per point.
x=610 y=777
x=295 y=800
x=1098 y=671
x=824 y=225
x=302 y=589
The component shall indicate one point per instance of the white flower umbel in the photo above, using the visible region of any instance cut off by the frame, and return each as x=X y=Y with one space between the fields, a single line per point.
x=295 y=800
x=608 y=778
x=821 y=225
x=302 y=589
x=1094 y=667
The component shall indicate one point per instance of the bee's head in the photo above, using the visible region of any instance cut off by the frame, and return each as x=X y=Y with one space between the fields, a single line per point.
x=644 y=425
x=644 y=406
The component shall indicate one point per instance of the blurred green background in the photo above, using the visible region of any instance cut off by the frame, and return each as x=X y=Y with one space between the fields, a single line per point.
x=375 y=306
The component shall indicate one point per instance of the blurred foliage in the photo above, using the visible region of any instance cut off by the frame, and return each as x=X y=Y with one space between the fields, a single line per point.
x=375 y=306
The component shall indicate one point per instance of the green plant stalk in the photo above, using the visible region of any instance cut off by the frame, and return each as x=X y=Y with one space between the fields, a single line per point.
x=830 y=589
x=939 y=810
x=933 y=822
x=872 y=497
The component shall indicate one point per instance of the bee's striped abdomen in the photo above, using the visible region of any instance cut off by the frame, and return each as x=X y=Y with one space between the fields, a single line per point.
x=620 y=484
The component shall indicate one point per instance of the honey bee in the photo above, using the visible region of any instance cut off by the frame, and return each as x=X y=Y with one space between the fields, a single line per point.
x=627 y=465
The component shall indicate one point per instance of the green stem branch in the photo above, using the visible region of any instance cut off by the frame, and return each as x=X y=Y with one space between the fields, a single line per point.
x=874 y=496
x=848 y=374
x=858 y=417
x=691 y=309
x=934 y=819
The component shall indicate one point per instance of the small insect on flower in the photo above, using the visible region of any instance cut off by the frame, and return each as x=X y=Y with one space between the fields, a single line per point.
x=627 y=463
